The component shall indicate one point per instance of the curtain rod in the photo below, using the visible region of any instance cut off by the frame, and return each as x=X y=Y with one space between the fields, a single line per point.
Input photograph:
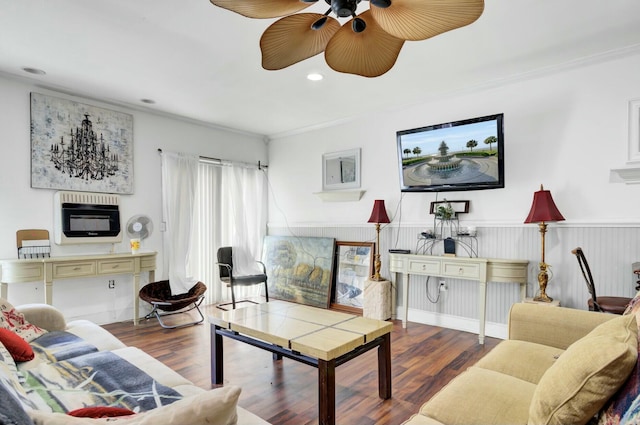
x=226 y=162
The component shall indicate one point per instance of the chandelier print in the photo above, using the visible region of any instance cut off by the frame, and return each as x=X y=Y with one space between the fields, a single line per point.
x=85 y=156
x=81 y=147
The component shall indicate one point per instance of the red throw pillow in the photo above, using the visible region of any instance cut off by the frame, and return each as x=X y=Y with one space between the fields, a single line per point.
x=20 y=349
x=100 y=412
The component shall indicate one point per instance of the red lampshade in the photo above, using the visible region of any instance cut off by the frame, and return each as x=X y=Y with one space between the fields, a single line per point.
x=379 y=213
x=543 y=208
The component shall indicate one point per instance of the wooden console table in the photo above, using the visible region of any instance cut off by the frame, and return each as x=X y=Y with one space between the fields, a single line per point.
x=482 y=270
x=49 y=269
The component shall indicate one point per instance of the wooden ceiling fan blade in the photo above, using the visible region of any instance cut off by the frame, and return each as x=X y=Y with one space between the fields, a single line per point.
x=422 y=19
x=292 y=39
x=369 y=53
x=262 y=8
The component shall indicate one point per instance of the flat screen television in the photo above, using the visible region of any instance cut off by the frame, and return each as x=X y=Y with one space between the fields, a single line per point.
x=454 y=156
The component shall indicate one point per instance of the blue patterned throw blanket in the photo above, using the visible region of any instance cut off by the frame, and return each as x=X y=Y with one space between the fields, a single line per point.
x=59 y=345
x=81 y=376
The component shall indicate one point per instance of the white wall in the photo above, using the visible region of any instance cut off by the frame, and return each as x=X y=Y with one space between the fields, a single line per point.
x=565 y=129
x=22 y=207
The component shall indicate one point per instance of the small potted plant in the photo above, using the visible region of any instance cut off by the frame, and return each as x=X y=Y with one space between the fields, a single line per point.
x=444 y=211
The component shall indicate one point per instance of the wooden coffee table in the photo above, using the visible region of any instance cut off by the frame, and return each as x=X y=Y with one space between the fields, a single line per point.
x=320 y=338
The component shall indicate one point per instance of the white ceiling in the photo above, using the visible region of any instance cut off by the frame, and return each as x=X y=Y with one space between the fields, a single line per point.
x=202 y=62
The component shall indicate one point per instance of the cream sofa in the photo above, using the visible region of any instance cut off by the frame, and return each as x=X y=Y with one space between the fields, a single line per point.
x=558 y=366
x=48 y=388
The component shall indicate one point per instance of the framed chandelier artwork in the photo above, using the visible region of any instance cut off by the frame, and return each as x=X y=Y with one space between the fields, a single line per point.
x=80 y=147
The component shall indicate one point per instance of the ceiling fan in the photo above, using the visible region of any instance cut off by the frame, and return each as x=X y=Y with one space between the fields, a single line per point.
x=368 y=45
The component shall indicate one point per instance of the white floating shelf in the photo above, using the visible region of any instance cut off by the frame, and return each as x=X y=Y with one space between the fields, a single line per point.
x=629 y=175
x=340 y=195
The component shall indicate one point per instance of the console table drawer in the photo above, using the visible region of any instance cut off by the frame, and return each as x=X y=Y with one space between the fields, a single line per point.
x=459 y=270
x=62 y=270
x=116 y=266
x=507 y=273
x=424 y=267
x=148 y=263
x=22 y=273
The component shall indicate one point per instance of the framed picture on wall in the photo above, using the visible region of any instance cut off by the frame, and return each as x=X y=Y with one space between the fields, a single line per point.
x=457 y=207
x=341 y=170
x=353 y=266
x=80 y=147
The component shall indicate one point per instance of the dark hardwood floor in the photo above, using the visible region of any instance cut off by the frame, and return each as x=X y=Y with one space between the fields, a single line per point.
x=285 y=392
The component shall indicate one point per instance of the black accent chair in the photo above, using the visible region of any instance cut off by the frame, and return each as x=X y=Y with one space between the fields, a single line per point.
x=225 y=263
x=615 y=305
x=158 y=294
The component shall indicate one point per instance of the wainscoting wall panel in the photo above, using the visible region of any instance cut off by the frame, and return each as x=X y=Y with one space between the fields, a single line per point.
x=610 y=250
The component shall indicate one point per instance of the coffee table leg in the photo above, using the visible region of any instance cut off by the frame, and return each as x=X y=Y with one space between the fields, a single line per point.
x=216 y=356
x=327 y=392
x=384 y=368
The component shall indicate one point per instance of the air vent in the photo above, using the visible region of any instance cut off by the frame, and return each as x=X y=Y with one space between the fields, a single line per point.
x=88 y=198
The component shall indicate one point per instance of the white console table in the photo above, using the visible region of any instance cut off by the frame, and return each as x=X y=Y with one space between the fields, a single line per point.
x=482 y=270
x=49 y=269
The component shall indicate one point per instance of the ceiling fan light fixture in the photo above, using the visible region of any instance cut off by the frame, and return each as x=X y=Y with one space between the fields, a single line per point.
x=319 y=23
x=351 y=49
x=381 y=3
x=344 y=8
x=358 y=25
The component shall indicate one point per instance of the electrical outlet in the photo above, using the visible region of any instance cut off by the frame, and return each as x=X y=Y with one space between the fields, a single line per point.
x=443 y=286
x=112 y=284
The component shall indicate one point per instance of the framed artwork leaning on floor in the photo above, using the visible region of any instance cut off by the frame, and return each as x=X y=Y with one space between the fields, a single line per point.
x=353 y=266
x=299 y=268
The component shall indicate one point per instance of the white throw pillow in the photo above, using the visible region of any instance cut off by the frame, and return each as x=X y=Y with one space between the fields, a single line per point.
x=213 y=407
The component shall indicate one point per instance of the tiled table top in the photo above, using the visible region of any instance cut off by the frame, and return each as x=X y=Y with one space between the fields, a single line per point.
x=315 y=332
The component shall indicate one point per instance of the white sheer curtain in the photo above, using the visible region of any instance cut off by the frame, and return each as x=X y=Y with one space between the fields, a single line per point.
x=230 y=210
x=247 y=209
x=179 y=185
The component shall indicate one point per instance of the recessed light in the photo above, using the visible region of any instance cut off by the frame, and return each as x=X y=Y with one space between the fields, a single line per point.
x=34 y=71
x=314 y=76
x=148 y=101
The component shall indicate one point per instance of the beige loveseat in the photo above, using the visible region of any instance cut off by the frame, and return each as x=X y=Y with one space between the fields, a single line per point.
x=559 y=366
x=79 y=368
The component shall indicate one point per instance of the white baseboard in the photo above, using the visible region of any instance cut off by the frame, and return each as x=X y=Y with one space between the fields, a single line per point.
x=466 y=324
